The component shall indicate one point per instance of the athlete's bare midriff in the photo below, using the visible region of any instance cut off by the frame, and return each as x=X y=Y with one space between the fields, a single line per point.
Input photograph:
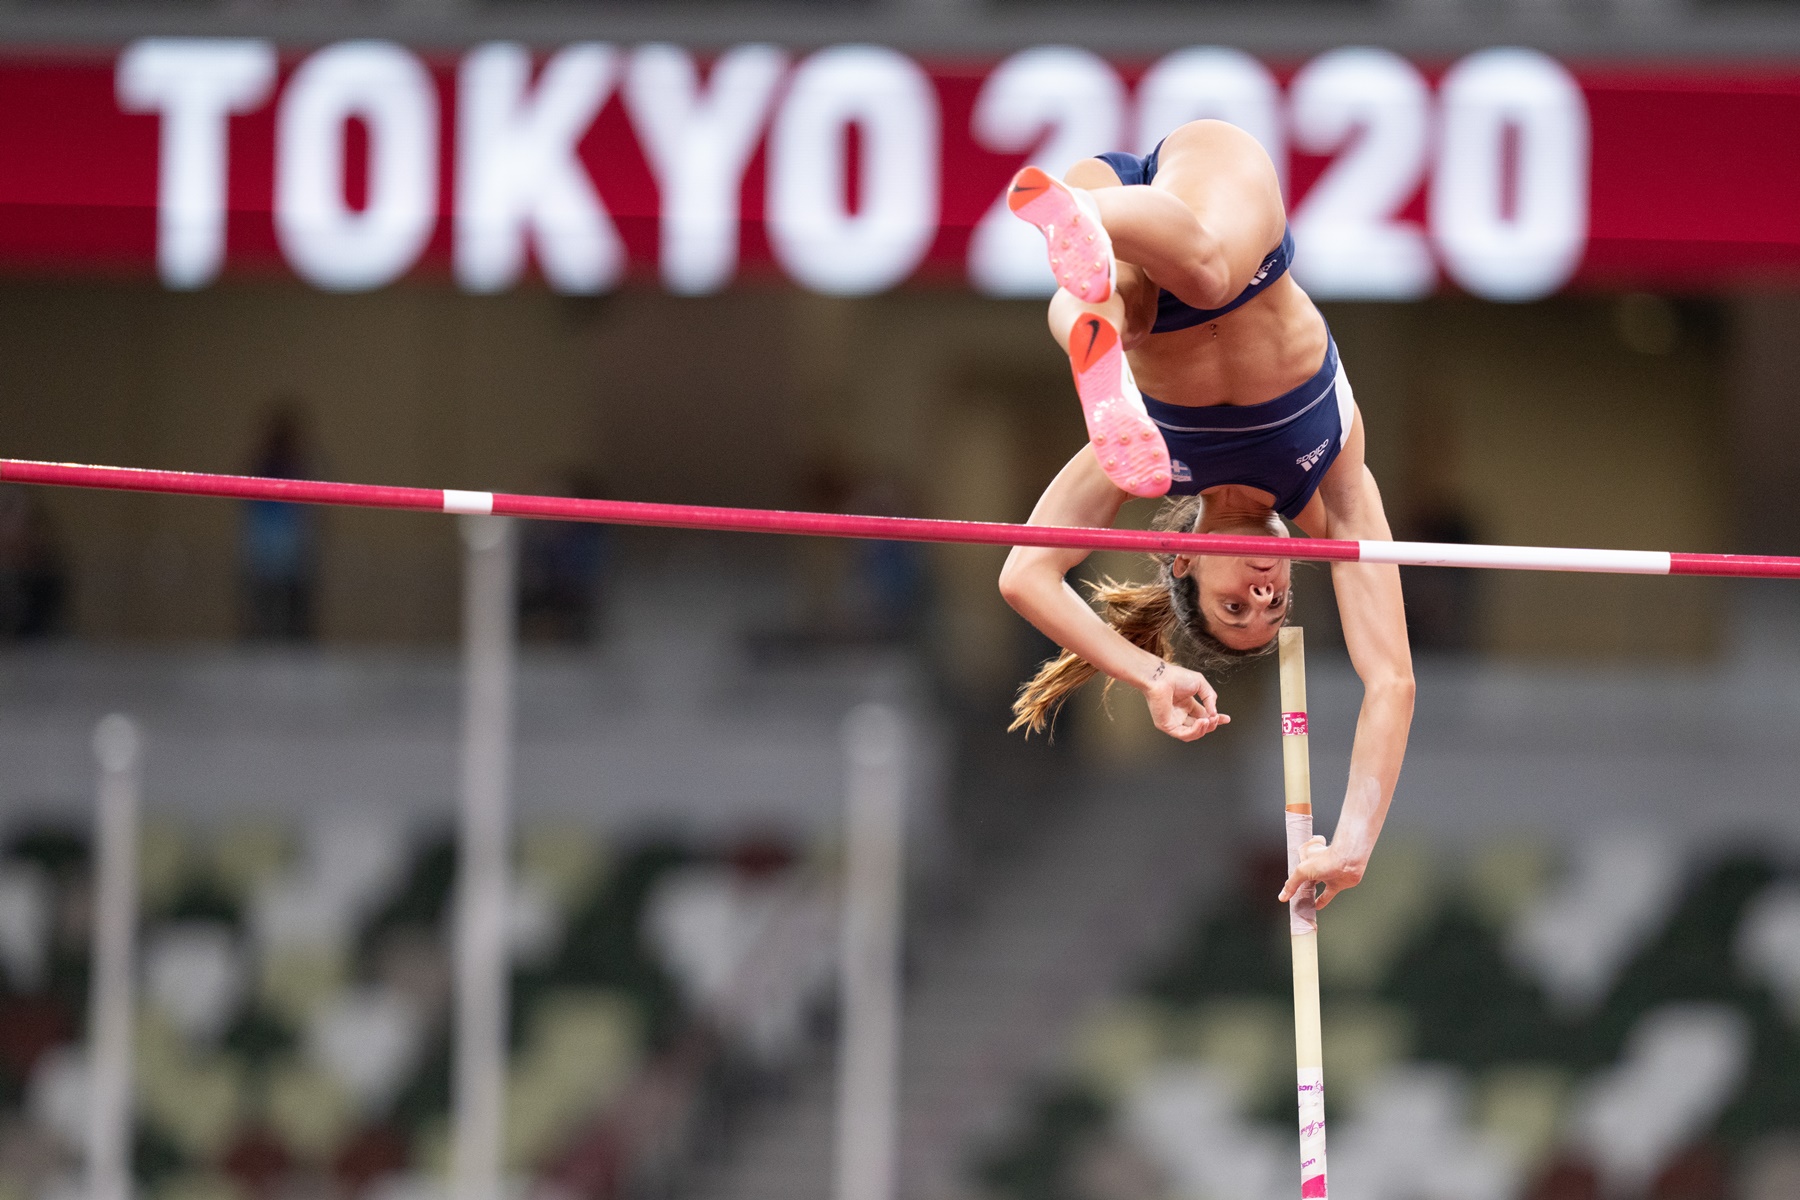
x=1271 y=345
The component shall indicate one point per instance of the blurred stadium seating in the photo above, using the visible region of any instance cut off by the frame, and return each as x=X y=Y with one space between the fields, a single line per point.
x=292 y=1035
x=1525 y=1019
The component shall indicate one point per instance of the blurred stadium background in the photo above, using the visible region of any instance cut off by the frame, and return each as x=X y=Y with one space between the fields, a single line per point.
x=746 y=253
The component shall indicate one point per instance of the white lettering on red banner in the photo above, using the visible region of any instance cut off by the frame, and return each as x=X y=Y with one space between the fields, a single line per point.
x=848 y=171
x=1534 y=248
x=1372 y=110
x=699 y=141
x=518 y=180
x=1053 y=106
x=194 y=85
x=822 y=241
x=1293 y=724
x=330 y=242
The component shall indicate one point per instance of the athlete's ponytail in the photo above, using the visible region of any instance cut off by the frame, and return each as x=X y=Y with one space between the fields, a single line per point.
x=1162 y=617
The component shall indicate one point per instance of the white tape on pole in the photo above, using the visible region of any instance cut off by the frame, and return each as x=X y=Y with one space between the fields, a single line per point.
x=118 y=749
x=1516 y=558
x=484 y=842
x=869 y=1042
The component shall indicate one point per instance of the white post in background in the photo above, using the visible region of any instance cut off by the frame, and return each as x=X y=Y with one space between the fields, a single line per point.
x=118 y=748
x=484 y=843
x=869 y=1041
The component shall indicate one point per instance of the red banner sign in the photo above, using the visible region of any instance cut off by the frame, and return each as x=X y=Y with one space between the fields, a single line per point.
x=855 y=169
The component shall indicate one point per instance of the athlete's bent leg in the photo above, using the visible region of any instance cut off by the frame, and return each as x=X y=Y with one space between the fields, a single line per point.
x=1081 y=255
x=1064 y=309
x=1207 y=221
x=1127 y=444
x=1156 y=230
x=1087 y=314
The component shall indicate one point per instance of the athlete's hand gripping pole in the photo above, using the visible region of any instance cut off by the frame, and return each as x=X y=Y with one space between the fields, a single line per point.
x=1303 y=922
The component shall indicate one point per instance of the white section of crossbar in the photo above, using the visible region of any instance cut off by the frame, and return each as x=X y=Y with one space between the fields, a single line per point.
x=1516 y=558
x=474 y=504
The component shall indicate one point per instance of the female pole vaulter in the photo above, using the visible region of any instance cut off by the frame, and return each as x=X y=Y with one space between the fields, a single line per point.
x=1173 y=274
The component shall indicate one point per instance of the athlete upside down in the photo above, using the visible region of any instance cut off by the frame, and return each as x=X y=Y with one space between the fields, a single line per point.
x=1167 y=278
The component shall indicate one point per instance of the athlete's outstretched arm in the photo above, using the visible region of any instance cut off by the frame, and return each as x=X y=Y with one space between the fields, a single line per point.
x=1182 y=703
x=1374 y=620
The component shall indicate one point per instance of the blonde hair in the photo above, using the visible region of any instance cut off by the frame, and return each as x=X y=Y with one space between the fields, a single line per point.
x=1162 y=617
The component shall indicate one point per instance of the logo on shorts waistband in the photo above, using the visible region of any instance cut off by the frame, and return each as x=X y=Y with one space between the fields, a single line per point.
x=1179 y=472
x=1308 y=461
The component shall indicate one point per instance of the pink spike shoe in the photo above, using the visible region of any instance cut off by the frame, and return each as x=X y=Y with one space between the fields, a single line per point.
x=1127 y=442
x=1081 y=255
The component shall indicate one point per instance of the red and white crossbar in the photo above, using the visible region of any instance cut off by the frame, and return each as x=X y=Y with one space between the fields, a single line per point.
x=898 y=529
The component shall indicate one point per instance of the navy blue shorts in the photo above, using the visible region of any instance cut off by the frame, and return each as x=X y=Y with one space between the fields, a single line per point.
x=1283 y=446
x=1132 y=168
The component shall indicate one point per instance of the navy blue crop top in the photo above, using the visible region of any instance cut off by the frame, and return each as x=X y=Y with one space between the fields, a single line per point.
x=1172 y=313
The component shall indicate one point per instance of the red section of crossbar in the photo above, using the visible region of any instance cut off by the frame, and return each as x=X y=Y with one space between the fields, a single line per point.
x=1748 y=566
x=914 y=529
x=235 y=487
x=676 y=516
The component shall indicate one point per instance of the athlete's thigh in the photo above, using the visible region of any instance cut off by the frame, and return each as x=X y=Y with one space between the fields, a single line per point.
x=1135 y=287
x=1224 y=175
x=1092 y=173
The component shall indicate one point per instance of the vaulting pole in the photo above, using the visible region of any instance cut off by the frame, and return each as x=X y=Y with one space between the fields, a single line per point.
x=1303 y=922
x=483 y=845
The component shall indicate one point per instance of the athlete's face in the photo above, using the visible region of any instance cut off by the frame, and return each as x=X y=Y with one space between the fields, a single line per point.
x=1244 y=600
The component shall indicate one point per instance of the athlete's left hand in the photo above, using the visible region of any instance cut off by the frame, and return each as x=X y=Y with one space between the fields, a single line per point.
x=1323 y=864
